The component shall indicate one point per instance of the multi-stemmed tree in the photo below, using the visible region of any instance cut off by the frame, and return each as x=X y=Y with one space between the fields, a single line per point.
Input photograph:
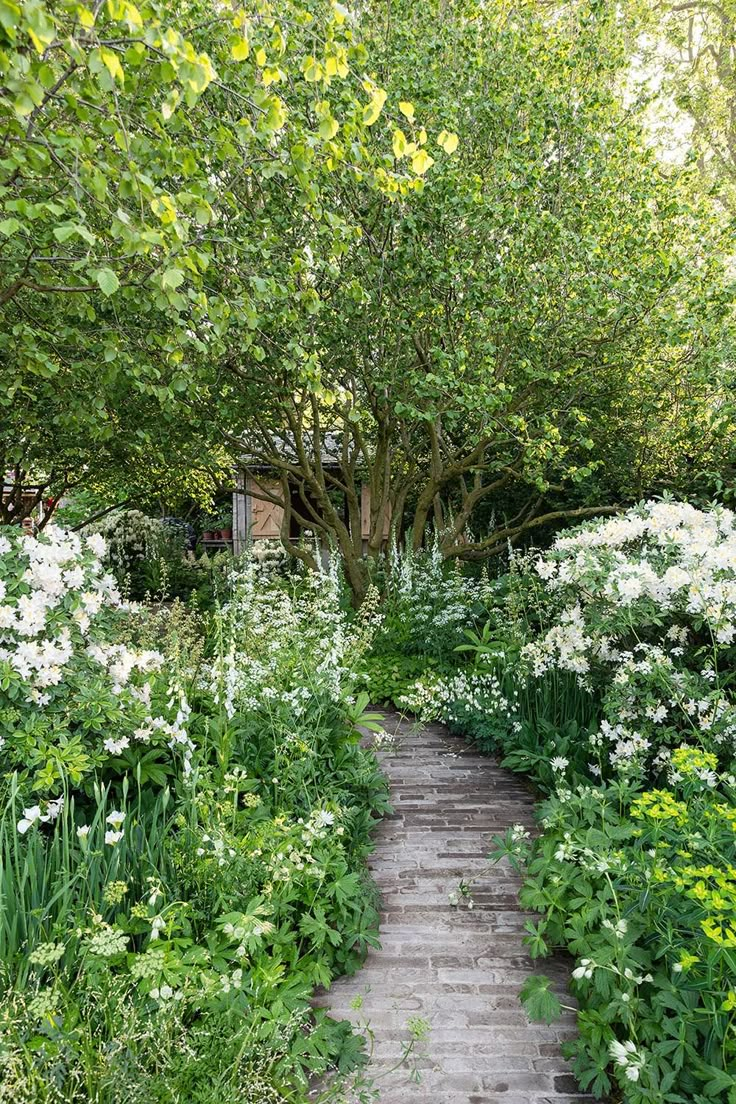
x=552 y=303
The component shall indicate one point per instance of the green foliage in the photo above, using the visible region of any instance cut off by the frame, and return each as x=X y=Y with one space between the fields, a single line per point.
x=388 y=676
x=545 y=328
x=540 y=1002
x=163 y=928
x=640 y=888
x=604 y=673
x=135 y=254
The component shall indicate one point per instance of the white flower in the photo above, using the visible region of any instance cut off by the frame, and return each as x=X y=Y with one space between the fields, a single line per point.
x=545 y=568
x=627 y=1056
x=113 y=837
x=559 y=763
x=83 y=831
x=29 y=818
x=114 y=747
x=584 y=970
x=53 y=809
x=157 y=925
x=115 y=818
x=97 y=544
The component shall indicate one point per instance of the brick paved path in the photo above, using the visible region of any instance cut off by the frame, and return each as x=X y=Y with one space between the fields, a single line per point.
x=459 y=969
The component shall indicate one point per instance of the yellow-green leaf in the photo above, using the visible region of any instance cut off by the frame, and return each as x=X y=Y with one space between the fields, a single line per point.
x=9 y=226
x=85 y=17
x=275 y=116
x=112 y=64
x=407 y=110
x=9 y=14
x=164 y=209
x=241 y=49
x=172 y=278
x=420 y=162
x=372 y=110
x=260 y=56
x=271 y=74
x=448 y=141
x=399 y=143
x=41 y=28
x=170 y=104
x=311 y=69
x=328 y=128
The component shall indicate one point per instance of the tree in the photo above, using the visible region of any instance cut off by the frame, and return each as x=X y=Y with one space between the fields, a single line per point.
x=482 y=345
x=138 y=149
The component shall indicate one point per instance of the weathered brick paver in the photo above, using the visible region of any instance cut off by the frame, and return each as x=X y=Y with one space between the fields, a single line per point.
x=459 y=969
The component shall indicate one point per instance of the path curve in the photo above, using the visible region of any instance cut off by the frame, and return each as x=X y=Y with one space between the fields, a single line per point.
x=461 y=970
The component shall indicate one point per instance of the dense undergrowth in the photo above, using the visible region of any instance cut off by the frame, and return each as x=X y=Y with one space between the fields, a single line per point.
x=185 y=813
x=603 y=669
x=186 y=808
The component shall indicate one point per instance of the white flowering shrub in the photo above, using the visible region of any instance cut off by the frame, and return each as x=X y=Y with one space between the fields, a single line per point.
x=281 y=646
x=461 y=699
x=604 y=671
x=147 y=557
x=73 y=699
x=195 y=861
x=131 y=536
x=646 y=617
x=428 y=603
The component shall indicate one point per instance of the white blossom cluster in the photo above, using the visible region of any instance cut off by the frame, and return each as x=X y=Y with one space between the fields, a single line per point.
x=640 y=595
x=281 y=646
x=664 y=556
x=436 y=601
x=448 y=699
x=130 y=535
x=58 y=650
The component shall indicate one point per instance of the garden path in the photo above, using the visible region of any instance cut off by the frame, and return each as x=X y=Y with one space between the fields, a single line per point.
x=459 y=969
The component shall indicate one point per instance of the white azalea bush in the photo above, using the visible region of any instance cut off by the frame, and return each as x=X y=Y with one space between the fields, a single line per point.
x=646 y=616
x=74 y=700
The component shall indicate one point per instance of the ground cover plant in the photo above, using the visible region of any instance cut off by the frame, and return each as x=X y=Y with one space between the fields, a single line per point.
x=605 y=673
x=183 y=831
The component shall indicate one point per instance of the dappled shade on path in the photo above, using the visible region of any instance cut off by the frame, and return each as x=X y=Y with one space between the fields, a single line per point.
x=459 y=969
